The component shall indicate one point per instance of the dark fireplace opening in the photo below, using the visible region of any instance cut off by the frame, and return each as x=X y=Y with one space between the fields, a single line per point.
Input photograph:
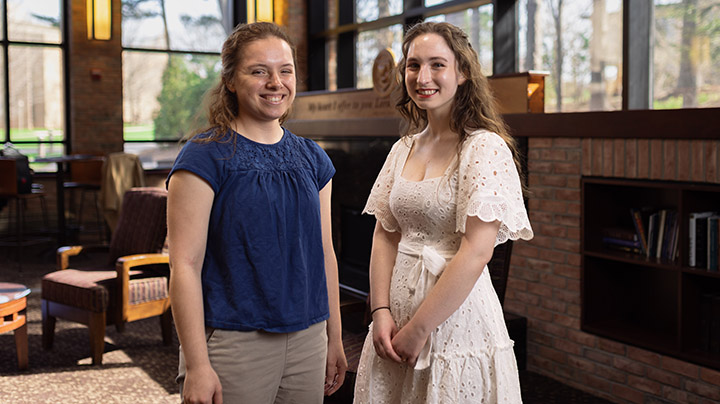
x=357 y=162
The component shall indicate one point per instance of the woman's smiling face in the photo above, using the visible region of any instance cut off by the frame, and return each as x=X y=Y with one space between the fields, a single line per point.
x=264 y=82
x=431 y=74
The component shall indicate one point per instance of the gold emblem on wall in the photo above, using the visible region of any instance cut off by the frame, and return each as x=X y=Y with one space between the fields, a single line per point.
x=383 y=72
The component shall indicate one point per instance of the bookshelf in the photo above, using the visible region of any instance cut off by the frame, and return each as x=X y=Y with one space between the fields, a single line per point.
x=656 y=302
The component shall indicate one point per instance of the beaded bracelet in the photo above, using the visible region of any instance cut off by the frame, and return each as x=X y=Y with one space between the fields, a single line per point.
x=379 y=308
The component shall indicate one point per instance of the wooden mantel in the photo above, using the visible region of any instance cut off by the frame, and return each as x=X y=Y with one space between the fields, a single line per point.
x=353 y=113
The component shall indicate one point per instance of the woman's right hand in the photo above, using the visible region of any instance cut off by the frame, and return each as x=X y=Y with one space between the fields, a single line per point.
x=384 y=329
x=202 y=386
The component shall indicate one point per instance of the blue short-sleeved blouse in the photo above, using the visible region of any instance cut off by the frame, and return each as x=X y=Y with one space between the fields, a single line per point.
x=264 y=265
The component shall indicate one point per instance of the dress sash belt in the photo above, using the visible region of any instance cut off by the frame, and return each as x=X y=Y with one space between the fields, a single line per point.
x=430 y=264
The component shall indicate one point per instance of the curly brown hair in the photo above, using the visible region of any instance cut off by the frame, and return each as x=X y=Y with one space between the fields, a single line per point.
x=474 y=106
x=220 y=103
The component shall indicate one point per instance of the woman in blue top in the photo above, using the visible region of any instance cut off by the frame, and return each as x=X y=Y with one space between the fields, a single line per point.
x=253 y=284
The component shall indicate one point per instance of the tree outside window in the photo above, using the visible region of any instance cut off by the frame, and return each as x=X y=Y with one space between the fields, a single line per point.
x=580 y=44
x=686 y=54
x=171 y=59
x=478 y=25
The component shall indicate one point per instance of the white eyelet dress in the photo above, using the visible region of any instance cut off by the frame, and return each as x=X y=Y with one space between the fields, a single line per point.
x=469 y=357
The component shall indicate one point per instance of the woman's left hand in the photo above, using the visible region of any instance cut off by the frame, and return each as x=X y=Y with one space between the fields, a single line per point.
x=408 y=343
x=335 y=368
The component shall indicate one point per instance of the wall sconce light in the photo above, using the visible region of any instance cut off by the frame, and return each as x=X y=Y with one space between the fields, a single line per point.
x=260 y=10
x=99 y=19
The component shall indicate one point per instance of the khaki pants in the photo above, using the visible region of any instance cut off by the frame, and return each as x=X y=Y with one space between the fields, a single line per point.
x=257 y=367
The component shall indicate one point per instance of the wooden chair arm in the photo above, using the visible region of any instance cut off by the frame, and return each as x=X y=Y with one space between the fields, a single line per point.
x=123 y=265
x=63 y=254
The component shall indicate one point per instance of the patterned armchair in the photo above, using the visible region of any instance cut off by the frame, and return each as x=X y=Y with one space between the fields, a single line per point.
x=131 y=285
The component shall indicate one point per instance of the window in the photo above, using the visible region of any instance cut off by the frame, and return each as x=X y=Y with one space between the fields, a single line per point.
x=369 y=44
x=371 y=10
x=686 y=54
x=478 y=24
x=33 y=57
x=580 y=44
x=369 y=26
x=170 y=58
x=672 y=47
x=331 y=47
x=173 y=25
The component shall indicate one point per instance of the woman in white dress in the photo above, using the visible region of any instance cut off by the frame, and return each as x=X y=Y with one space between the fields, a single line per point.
x=448 y=193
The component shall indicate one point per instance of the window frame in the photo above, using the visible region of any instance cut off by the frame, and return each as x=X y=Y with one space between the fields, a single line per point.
x=238 y=13
x=347 y=32
x=634 y=120
x=63 y=47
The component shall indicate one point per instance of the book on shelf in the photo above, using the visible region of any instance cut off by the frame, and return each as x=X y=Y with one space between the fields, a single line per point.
x=676 y=239
x=621 y=239
x=671 y=224
x=622 y=242
x=712 y=244
x=638 y=222
x=620 y=233
x=701 y=242
x=624 y=248
x=661 y=233
x=653 y=221
x=697 y=239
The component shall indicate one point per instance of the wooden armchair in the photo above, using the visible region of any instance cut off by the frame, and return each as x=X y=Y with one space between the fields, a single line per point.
x=131 y=285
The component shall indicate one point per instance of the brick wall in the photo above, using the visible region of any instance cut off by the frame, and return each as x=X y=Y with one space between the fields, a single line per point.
x=657 y=159
x=95 y=85
x=544 y=283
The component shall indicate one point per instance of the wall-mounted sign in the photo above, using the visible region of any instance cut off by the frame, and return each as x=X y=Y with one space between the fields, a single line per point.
x=383 y=73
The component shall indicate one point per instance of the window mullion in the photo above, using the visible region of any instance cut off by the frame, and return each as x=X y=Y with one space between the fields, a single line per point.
x=346 y=44
x=505 y=28
x=637 y=54
x=6 y=72
x=317 y=51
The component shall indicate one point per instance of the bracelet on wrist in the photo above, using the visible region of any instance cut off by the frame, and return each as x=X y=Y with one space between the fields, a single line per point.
x=379 y=308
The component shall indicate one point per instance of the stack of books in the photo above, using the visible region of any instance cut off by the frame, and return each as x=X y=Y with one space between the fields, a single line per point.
x=703 y=240
x=621 y=239
x=658 y=231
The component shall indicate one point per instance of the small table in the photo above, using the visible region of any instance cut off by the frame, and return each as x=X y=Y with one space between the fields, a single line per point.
x=13 y=300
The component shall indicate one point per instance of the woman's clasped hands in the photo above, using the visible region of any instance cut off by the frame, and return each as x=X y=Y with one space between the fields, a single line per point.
x=398 y=345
